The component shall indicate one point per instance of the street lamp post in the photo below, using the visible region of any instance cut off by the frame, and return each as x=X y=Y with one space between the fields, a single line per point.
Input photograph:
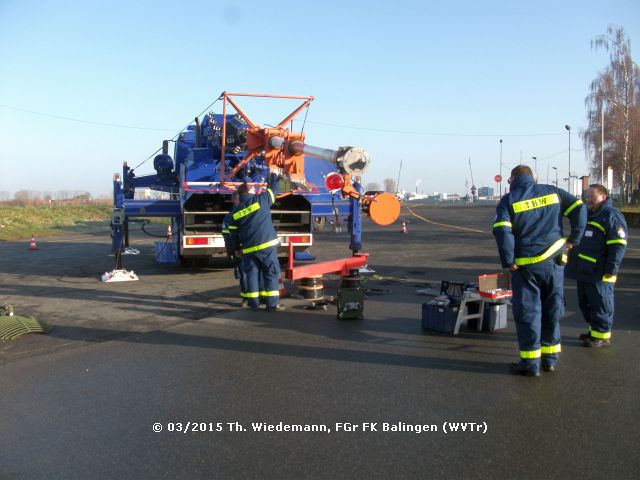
x=568 y=128
x=535 y=162
x=556 y=169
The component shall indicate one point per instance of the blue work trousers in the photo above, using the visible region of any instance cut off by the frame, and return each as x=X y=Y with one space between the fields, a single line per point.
x=240 y=276
x=538 y=305
x=262 y=271
x=596 y=303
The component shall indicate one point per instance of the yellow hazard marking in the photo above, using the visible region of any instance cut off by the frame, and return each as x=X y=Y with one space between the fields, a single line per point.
x=246 y=211
x=598 y=226
x=537 y=202
x=571 y=208
x=445 y=225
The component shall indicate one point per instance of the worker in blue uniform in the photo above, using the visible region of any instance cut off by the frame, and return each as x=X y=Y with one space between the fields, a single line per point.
x=251 y=229
x=231 y=251
x=528 y=231
x=595 y=263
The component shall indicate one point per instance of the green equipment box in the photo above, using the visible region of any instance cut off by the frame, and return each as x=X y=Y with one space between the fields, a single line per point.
x=350 y=303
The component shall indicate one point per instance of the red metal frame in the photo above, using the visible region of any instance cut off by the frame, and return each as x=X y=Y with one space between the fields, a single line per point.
x=258 y=138
x=341 y=266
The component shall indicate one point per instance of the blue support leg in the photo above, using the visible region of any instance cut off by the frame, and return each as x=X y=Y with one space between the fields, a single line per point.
x=355 y=221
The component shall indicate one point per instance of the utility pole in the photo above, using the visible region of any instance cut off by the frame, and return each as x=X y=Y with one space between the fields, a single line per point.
x=473 y=184
x=500 y=168
x=547 y=174
x=568 y=128
x=398 y=184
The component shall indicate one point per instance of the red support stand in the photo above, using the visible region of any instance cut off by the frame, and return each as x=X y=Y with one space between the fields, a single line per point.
x=340 y=267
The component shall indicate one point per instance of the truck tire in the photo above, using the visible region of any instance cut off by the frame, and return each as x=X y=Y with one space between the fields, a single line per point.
x=321 y=224
x=186 y=262
x=201 y=262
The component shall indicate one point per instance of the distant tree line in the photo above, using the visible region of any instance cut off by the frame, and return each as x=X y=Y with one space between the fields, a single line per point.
x=389 y=186
x=612 y=136
x=37 y=198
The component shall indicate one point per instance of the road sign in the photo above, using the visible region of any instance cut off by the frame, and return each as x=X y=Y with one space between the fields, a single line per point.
x=498 y=178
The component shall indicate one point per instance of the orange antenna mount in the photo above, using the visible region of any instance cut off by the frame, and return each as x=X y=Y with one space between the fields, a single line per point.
x=276 y=152
x=284 y=149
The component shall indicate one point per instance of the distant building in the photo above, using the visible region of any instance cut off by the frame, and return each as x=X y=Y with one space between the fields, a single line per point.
x=415 y=196
x=435 y=197
x=148 y=194
x=485 y=192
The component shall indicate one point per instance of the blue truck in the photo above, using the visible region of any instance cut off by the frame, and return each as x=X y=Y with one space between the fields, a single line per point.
x=209 y=162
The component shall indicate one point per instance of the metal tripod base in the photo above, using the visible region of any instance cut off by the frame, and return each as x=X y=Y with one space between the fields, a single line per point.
x=119 y=276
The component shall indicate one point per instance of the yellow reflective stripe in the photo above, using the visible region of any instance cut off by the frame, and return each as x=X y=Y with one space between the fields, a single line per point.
x=537 y=202
x=597 y=225
x=246 y=211
x=619 y=240
x=501 y=224
x=232 y=227
x=273 y=198
x=530 y=354
x=250 y=295
x=587 y=258
x=548 y=253
x=609 y=278
x=225 y=230
x=570 y=209
x=272 y=293
x=262 y=246
x=551 y=349
x=601 y=335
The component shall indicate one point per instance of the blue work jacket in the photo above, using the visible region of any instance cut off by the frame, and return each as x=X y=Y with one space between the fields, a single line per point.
x=228 y=240
x=250 y=227
x=528 y=223
x=598 y=256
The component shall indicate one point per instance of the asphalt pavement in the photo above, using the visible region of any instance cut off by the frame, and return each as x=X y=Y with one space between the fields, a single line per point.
x=167 y=378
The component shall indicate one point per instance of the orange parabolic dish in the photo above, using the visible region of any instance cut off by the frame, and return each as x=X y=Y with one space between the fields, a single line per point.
x=384 y=209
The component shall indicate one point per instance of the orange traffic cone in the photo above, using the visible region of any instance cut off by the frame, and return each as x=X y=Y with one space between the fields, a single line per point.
x=169 y=233
x=283 y=291
x=404 y=227
x=32 y=245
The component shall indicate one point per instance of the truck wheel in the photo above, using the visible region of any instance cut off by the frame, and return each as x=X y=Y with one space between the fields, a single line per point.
x=320 y=224
x=186 y=262
x=201 y=262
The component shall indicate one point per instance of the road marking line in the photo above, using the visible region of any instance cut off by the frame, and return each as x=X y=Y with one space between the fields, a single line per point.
x=449 y=226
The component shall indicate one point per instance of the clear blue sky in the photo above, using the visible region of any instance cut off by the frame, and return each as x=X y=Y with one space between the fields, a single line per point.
x=431 y=83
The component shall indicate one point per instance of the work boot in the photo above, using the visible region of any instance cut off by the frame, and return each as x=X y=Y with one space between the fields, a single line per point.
x=584 y=336
x=518 y=369
x=244 y=303
x=277 y=308
x=596 y=342
x=548 y=367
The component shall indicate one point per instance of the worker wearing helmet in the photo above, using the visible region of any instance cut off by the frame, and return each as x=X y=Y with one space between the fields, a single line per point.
x=231 y=251
x=596 y=261
x=528 y=231
x=251 y=229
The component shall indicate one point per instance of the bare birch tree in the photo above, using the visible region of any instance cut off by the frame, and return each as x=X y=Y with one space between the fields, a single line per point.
x=613 y=107
x=390 y=185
